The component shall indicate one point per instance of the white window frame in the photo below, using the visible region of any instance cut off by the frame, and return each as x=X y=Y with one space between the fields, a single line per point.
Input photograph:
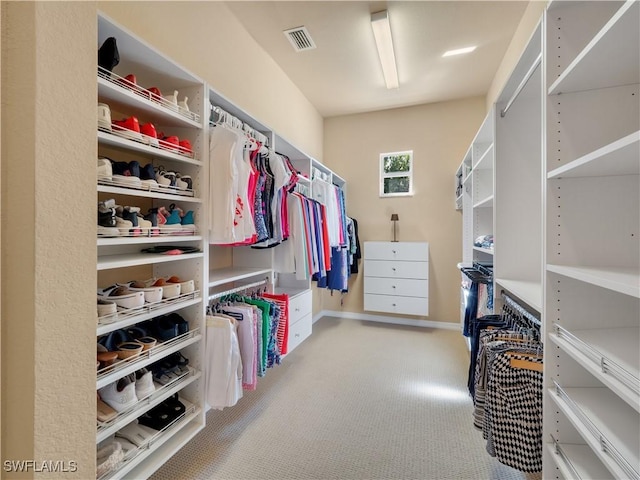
x=384 y=175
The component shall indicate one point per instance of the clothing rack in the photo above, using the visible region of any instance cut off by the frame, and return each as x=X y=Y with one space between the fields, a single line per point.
x=511 y=302
x=224 y=117
x=238 y=289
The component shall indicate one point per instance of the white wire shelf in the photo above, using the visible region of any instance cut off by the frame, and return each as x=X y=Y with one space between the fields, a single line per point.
x=124 y=367
x=577 y=461
x=126 y=317
x=171 y=431
x=114 y=87
x=110 y=139
x=115 y=187
x=162 y=392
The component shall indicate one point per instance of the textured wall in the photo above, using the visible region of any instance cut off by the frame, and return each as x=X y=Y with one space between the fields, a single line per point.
x=439 y=134
x=48 y=234
x=213 y=44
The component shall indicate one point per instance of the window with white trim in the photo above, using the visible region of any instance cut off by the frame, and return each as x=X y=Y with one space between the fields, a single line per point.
x=396 y=174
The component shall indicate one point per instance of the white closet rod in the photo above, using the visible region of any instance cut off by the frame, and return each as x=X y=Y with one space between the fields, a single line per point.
x=524 y=81
x=238 y=289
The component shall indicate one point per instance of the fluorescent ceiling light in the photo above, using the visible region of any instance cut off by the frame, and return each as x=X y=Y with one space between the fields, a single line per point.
x=459 y=51
x=384 y=43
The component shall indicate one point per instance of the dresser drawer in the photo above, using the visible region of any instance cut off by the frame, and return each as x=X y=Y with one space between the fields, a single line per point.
x=396 y=304
x=391 y=269
x=396 y=286
x=299 y=306
x=396 y=251
x=299 y=331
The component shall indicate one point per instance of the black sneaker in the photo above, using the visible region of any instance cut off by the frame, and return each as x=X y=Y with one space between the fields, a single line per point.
x=107 y=219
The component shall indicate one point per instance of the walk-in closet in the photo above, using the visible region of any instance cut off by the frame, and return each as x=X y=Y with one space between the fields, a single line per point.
x=343 y=240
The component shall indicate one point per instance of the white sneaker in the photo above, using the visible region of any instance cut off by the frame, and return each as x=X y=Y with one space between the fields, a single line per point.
x=144 y=383
x=107 y=311
x=104 y=117
x=105 y=170
x=183 y=104
x=109 y=458
x=120 y=395
x=121 y=296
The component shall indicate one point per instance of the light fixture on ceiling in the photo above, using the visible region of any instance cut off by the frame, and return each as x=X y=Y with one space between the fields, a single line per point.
x=459 y=51
x=384 y=43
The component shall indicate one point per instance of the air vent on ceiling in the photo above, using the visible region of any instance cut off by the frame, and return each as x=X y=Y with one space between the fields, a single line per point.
x=300 y=39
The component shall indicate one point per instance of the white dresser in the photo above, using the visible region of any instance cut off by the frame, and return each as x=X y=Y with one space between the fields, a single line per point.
x=396 y=277
x=300 y=319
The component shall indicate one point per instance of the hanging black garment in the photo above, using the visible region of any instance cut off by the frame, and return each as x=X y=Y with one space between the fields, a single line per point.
x=108 y=56
x=358 y=254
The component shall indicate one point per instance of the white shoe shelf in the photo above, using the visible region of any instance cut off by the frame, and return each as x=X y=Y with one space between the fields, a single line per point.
x=120 y=258
x=592 y=250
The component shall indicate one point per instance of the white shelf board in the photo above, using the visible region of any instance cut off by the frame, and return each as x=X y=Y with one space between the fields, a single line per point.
x=147 y=194
x=619 y=279
x=147 y=314
x=161 y=393
x=612 y=58
x=223 y=276
x=605 y=347
x=528 y=291
x=466 y=179
x=108 y=262
x=484 y=250
x=485 y=162
x=102 y=241
x=583 y=463
x=615 y=422
x=292 y=292
x=107 y=90
x=484 y=203
x=617 y=158
x=105 y=138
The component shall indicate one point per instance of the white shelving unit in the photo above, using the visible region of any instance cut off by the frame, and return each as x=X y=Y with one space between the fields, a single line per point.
x=119 y=259
x=592 y=248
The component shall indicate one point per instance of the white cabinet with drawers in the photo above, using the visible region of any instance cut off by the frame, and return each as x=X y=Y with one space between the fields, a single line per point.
x=300 y=319
x=396 y=277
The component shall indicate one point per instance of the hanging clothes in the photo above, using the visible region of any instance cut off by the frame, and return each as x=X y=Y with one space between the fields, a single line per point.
x=223 y=375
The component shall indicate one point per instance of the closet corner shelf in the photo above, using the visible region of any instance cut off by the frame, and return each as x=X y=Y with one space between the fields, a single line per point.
x=110 y=241
x=484 y=250
x=529 y=292
x=617 y=158
x=105 y=138
x=162 y=447
x=578 y=461
x=624 y=280
x=223 y=276
x=108 y=262
x=603 y=63
x=108 y=90
x=485 y=203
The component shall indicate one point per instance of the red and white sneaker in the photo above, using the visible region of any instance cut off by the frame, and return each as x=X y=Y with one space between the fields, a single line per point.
x=128 y=128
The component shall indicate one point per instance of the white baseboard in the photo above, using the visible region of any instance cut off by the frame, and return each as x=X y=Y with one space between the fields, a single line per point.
x=386 y=319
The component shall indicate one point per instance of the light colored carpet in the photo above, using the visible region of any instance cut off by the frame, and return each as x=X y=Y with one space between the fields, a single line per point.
x=357 y=400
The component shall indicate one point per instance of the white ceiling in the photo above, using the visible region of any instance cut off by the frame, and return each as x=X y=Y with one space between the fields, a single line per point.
x=343 y=75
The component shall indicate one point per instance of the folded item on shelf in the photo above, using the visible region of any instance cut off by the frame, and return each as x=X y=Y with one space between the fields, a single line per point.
x=136 y=434
x=171 y=249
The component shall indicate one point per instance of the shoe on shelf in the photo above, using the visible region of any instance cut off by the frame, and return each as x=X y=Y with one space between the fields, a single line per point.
x=107 y=224
x=183 y=104
x=150 y=136
x=188 y=223
x=151 y=294
x=104 y=117
x=122 y=296
x=169 y=290
x=144 y=383
x=184 y=182
x=165 y=178
x=108 y=458
x=137 y=434
x=122 y=175
x=172 y=99
x=148 y=176
x=165 y=227
x=130 y=215
x=104 y=412
x=155 y=92
x=130 y=82
x=185 y=146
x=129 y=349
x=128 y=128
x=120 y=395
x=105 y=170
x=108 y=55
x=186 y=286
x=152 y=217
x=107 y=311
x=169 y=142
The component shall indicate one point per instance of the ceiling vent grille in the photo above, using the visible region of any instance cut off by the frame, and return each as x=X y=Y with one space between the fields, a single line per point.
x=300 y=39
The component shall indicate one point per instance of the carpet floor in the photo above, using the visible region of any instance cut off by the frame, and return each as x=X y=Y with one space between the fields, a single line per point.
x=357 y=400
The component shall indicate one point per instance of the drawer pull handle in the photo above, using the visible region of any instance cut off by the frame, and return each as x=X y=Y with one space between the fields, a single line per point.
x=393 y=286
x=297 y=334
x=297 y=309
x=393 y=304
x=394 y=252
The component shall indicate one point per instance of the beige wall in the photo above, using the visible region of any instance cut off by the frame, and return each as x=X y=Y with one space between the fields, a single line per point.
x=439 y=134
x=213 y=45
x=48 y=234
x=522 y=35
